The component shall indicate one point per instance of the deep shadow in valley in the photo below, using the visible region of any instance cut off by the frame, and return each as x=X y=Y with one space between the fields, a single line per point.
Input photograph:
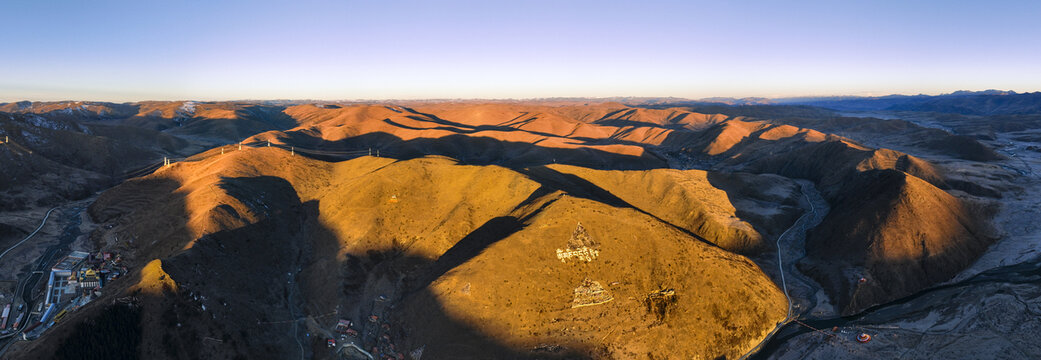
x=262 y=283
x=255 y=289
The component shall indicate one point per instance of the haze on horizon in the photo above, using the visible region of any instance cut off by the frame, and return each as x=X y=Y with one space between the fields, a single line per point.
x=131 y=50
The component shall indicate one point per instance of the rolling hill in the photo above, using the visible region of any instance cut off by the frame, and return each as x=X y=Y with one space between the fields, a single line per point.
x=504 y=230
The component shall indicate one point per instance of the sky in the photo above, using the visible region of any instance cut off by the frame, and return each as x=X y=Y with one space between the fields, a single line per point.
x=390 y=49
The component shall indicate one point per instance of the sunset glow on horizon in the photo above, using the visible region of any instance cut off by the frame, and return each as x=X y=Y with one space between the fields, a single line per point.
x=131 y=51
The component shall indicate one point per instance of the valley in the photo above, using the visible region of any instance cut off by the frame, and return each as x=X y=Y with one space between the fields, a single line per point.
x=534 y=230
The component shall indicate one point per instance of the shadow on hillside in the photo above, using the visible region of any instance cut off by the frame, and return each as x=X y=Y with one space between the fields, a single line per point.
x=469 y=150
x=847 y=245
x=769 y=214
x=251 y=290
x=621 y=118
x=755 y=111
x=464 y=128
x=932 y=140
x=830 y=164
x=333 y=276
x=259 y=279
x=525 y=158
x=249 y=120
x=413 y=317
x=469 y=247
x=573 y=185
x=104 y=325
x=679 y=137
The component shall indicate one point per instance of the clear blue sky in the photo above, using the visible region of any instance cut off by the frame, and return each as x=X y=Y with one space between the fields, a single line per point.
x=382 y=49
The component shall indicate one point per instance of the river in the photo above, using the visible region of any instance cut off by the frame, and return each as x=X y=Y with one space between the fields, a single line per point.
x=902 y=312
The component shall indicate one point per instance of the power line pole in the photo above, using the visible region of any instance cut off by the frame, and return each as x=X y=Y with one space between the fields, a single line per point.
x=222 y=150
x=292 y=151
x=240 y=145
x=269 y=143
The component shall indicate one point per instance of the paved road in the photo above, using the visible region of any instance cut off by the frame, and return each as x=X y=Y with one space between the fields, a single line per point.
x=795 y=232
x=804 y=223
x=292 y=313
x=31 y=282
x=33 y=278
x=42 y=223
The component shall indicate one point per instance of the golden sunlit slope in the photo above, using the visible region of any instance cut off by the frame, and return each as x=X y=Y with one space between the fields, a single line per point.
x=616 y=114
x=162 y=109
x=899 y=232
x=689 y=200
x=737 y=137
x=230 y=121
x=187 y=200
x=828 y=160
x=419 y=230
x=522 y=135
x=523 y=296
x=424 y=204
x=600 y=135
x=397 y=200
x=519 y=231
x=882 y=201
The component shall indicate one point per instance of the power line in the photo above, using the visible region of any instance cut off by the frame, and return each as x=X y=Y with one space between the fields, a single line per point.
x=167 y=161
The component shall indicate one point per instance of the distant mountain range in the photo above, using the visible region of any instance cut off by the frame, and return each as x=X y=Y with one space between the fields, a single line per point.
x=986 y=102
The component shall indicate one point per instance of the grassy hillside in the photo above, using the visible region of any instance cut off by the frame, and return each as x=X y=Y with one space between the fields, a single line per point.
x=419 y=231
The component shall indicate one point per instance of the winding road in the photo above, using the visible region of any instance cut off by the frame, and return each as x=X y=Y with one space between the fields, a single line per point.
x=818 y=207
x=31 y=282
x=42 y=223
x=904 y=315
x=803 y=224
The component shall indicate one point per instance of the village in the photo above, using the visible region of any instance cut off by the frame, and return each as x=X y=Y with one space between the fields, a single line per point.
x=72 y=282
